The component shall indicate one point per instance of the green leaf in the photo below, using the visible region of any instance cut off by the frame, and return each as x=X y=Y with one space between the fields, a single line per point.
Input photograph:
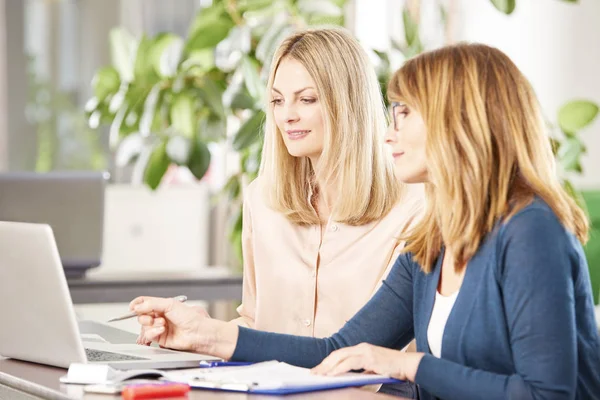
x=158 y=163
x=182 y=114
x=250 y=71
x=555 y=145
x=105 y=82
x=209 y=34
x=198 y=62
x=249 y=132
x=212 y=128
x=570 y=153
x=212 y=94
x=207 y=15
x=576 y=115
x=242 y=100
x=144 y=72
x=253 y=5
x=165 y=54
x=233 y=187
x=505 y=6
x=199 y=160
x=411 y=27
x=122 y=47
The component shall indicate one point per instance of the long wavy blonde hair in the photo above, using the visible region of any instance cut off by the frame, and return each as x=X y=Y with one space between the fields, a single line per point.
x=488 y=153
x=354 y=161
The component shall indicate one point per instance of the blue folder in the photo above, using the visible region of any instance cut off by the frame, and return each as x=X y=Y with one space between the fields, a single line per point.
x=291 y=389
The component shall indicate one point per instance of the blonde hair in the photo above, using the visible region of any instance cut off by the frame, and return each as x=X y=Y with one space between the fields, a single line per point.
x=487 y=150
x=353 y=161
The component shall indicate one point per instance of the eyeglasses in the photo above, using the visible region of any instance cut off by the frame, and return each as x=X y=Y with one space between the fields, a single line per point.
x=393 y=109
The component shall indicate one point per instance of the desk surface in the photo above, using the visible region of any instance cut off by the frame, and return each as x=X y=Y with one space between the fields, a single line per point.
x=208 y=285
x=27 y=381
x=21 y=380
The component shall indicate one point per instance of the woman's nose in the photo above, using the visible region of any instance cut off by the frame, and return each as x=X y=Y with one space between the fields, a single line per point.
x=391 y=134
x=291 y=115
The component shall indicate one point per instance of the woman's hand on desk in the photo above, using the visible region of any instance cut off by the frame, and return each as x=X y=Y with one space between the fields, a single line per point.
x=178 y=326
x=143 y=339
x=380 y=360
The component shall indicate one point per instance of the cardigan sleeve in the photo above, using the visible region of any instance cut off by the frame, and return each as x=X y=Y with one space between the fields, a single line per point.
x=536 y=268
x=386 y=320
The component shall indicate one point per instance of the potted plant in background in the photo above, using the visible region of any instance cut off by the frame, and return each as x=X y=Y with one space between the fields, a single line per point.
x=166 y=98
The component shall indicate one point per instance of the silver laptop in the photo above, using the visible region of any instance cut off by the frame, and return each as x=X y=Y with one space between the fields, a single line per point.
x=38 y=319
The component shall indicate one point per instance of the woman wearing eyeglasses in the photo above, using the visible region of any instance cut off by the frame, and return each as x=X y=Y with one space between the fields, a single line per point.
x=493 y=284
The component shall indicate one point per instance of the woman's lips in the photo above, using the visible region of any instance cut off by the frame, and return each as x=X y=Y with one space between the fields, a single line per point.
x=297 y=134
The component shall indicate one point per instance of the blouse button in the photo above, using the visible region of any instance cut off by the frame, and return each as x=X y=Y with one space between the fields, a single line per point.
x=307 y=322
x=334 y=228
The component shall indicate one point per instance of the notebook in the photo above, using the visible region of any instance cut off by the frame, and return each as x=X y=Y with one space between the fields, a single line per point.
x=271 y=377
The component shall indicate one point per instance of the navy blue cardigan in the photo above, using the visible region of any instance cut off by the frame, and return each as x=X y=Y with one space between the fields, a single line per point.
x=522 y=327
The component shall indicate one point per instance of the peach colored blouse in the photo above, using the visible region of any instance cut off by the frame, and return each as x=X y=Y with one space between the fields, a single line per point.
x=296 y=284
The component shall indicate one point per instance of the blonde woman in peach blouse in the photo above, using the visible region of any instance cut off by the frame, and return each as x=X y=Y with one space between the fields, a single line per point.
x=322 y=219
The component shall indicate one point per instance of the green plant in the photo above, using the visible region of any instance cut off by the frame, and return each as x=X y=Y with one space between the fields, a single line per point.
x=508 y=6
x=166 y=97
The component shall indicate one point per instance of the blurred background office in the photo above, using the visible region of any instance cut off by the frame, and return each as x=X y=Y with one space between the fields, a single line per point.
x=167 y=97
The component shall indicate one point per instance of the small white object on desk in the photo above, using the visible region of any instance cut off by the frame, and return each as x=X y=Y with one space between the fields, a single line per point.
x=84 y=374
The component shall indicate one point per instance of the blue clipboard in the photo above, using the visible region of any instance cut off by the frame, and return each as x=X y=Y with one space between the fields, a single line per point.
x=256 y=388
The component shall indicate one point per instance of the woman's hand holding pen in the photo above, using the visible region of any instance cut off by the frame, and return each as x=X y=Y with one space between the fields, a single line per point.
x=144 y=340
x=178 y=326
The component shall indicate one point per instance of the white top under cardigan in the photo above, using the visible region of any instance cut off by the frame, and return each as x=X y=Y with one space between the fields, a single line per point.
x=442 y=307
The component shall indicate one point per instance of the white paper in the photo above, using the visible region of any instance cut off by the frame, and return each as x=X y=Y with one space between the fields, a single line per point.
x=267 y=375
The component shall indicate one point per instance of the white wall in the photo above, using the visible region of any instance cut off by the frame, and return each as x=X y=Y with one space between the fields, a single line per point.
x=557 y=46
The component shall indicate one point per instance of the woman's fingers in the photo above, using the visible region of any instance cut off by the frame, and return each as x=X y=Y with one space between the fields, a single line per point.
x=330 y=362
x=345 y=365
x=152 y=334
x=146 y=320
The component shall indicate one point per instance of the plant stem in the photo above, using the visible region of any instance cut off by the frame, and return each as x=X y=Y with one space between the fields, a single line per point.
x=232 y=10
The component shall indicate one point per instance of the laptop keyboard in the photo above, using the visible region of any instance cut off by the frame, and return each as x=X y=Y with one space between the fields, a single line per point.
x=99 y=355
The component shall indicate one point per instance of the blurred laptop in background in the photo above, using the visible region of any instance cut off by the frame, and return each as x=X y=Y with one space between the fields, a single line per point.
x=166 y=230
x=71 y=202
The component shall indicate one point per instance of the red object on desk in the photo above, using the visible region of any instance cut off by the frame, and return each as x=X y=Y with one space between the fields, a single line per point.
x=155 y=391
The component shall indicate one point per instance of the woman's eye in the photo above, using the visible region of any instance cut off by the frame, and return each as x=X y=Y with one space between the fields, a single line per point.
x=308 y=100
x=402 y=111
x=277 y=101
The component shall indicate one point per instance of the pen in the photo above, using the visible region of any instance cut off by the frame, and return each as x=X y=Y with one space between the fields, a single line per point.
x=214 y=364
x=132 y=314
